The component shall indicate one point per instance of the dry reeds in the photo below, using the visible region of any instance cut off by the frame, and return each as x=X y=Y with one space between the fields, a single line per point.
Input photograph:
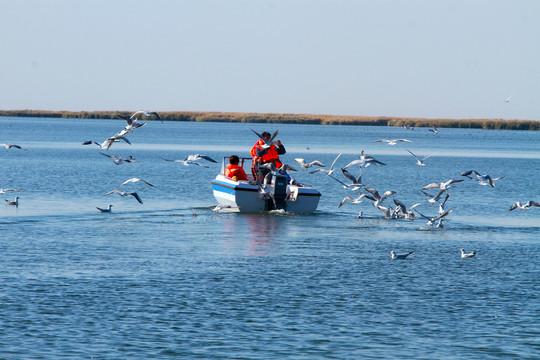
x=498 y=124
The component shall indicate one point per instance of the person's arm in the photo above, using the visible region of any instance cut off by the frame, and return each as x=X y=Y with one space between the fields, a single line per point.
x=280 y=149
x=260 y=152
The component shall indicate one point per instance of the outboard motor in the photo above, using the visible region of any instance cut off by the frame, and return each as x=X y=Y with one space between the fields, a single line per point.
x=278 y=191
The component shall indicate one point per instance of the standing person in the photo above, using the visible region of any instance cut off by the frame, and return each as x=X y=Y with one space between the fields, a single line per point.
x=267 y=155
x=234 y=171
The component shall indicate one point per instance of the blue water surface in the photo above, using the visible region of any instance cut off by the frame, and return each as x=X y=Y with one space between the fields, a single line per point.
x=171 y=278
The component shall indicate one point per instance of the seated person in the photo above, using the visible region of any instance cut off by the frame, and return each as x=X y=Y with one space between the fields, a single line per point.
x=234 y=171
x=265 y=155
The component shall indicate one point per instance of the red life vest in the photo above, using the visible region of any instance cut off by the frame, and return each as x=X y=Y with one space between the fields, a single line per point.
x=235 y=170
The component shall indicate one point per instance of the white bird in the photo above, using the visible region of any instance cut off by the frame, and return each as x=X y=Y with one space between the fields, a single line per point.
x=14 y=202
x=434 y=130
x=508 y=99
x=120 y=160
x=145 y=113
x=441 y=205
x=526 y=206
x=358 y=200
x=3 y=191
x=434 y=198
x=328 y=171
x=365 y=160
x=482 y=179
x=192 y=160
x=106 y=145
x=408 y=127
x=132 y=123
x=132 y=180
x=355 y=181
x=432 y=220
x=125 y=193
x=393 y=142
x=107 y=210
x=402 y=211
x=9 y=146
x=465 y=255
x=419 y=162
x=379 y=198
x=442 y=185
x=305 y=165
x=400 y=256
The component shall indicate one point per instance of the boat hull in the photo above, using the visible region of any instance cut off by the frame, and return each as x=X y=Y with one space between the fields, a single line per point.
x=241 y=196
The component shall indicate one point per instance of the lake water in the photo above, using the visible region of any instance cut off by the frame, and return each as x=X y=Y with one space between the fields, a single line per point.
x=171 y=278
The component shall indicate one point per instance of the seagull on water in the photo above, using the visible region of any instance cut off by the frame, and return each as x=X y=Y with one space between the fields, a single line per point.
x=393 y=142
x=132 y=180
x=9 y=146
x=328 y=171
x=120 y=160
x=526 y=206
x=107 y=210
x=14 y=202
x=125 y=193
x=419 y=162
x=305 y=165
x=465 y=255
x=192 y=160
x=482 y=179
x=400 y=256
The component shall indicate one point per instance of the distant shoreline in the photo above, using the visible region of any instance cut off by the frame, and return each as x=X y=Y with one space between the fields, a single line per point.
x=495 y=124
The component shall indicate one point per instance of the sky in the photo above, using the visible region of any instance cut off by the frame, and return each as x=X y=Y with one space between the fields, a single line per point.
x=399 y=58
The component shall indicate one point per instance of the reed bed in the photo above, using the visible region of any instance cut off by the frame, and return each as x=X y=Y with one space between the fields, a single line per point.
x=497 y=124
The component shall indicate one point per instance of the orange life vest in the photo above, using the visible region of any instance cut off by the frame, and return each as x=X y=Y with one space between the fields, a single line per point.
x=270 y=156
x=235 y=170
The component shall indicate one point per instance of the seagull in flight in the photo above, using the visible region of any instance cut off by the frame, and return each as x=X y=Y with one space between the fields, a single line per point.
x=465 y=255
x=379 y=198
x=192 y=160
x=393 y=142
x=402 y=211
x=482 y=179
x=107 y=210
x=442 y=185
x=9 y=146
x=145 y=113
x=305 y=165
x=358 y=200
x=3 y=191
x=434 y=199
x=125 y=193
x=106 y=145
x=526 y=206
x=364 y=161
x=132 y=123
x=400 y=256
x=432 y=220
x=419 y=162
x=434 y=130
x=133 y=180
x=328 y=171
x=508 y=99
x=14 y=202
x=120 y=160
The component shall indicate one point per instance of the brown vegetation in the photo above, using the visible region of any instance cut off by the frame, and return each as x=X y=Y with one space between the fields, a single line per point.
x=498 y=124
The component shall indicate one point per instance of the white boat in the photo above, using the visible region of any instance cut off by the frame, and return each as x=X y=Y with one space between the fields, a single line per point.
x=250 y=196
